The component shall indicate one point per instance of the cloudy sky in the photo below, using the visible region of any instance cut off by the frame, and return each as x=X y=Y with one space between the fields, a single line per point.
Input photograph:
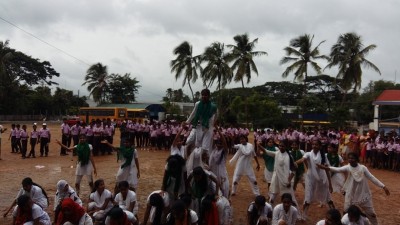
x=138 y=36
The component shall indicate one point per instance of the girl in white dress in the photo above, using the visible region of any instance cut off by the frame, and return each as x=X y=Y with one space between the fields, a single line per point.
x=332 y=217
x=157 y=208
x=285 y=213
x=356 y=186
x=36 y=192
x=284 y=171
x=318 y=182
x=217 y=163
x=29 y=213
x=244 y=154
x=127 y=200
x=335 y=160
x=85 y=165
x=129 y=169
x=100 y=201
x=354 y=216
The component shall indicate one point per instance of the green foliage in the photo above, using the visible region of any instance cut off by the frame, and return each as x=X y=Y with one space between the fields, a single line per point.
x=176 y=96
x=121 y=89
x=17 y=66
x=186 y=65
x=338 y=117
x=349 y=55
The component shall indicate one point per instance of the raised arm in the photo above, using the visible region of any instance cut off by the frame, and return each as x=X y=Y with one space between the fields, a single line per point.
x=177 y=137
x=265 y=151
x=374 y=180
x=64 y=146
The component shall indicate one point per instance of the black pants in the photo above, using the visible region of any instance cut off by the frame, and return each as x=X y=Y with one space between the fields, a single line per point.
x=14 y=147
x=24 y=147
x=44 y=146
x=65 y=141
x=33 y=143
x=96 y=145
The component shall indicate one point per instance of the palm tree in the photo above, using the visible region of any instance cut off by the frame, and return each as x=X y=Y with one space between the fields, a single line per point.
x=242 y=56
x=217 y=67
x=185 y=63
x=349 y=54
x=301 y=53
x=97 y=79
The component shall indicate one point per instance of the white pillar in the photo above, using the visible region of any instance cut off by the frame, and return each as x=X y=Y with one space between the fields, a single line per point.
x=376 y=117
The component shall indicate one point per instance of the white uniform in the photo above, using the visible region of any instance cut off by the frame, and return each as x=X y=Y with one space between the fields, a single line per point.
x=280 y=214
x=166 y=200
x=244 y=156
x=38 y=212
x=129 y=173
x=98 y=201
x=219 y=169
x=317 y=184
x=125 y=203
x=85 y=170
x=201 y=136
x=357 y=189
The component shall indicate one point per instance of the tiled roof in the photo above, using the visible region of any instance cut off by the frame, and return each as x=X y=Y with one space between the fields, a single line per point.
x=388 y=97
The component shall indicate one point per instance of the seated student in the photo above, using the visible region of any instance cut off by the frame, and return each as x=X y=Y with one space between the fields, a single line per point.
x=209 y=211
x=354 y=216
x=29 y=213
x=116 y=216
x=203 y=184
x=64 y=191
x=224 y=211
x=258 y=208
x=157 y=208
x=175 y=175
x=126 y=200
x=35 y=191
x=285 y=213
x=71 y=213
x=180 y=214
x=332 y=217
x=100 y=201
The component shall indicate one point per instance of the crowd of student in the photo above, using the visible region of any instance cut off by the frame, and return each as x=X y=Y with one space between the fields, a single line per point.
x=195 y=187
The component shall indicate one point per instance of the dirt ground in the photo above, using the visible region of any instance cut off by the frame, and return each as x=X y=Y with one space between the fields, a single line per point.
x=46 y=171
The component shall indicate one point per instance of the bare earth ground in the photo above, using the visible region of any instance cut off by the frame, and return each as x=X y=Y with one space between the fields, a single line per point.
x=47 y=171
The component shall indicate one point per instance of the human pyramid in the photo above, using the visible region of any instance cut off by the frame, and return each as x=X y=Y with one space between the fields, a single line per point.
x=195 y=188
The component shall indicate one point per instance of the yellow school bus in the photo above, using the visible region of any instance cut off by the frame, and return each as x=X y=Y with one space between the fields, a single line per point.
x=138 y=115
x=89 y=114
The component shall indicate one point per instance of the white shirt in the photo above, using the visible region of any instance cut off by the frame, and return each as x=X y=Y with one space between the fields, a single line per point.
x=36 y=195
x=101 y=199
x=361 y=221
x=280 y=214
x=125 y=203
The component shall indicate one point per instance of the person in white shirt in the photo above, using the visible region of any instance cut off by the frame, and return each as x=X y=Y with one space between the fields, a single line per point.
x=332 y=217
x=356 y=186
x=258 y=208
x=127 y=200
x=85 y=163
x=285 y=213
x=180 y=214
x=157 y=208
x=29 y=213
x=177 y=147
x=203 y=118
x=244 y=154
x=36 y=193
x=100 y=201
x=354 y=216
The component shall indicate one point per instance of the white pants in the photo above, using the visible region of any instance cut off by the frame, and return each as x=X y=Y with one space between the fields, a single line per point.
x=252 y=181
x=99 y=215
x=201 y=137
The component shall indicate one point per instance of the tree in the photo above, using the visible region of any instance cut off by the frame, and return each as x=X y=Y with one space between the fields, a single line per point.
x=185 y=64
x=17 y=66
x=301 y=53
x=97 y=79
x=217 y=67
x=349 y=55
x=122 y=89
x=242 y=56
